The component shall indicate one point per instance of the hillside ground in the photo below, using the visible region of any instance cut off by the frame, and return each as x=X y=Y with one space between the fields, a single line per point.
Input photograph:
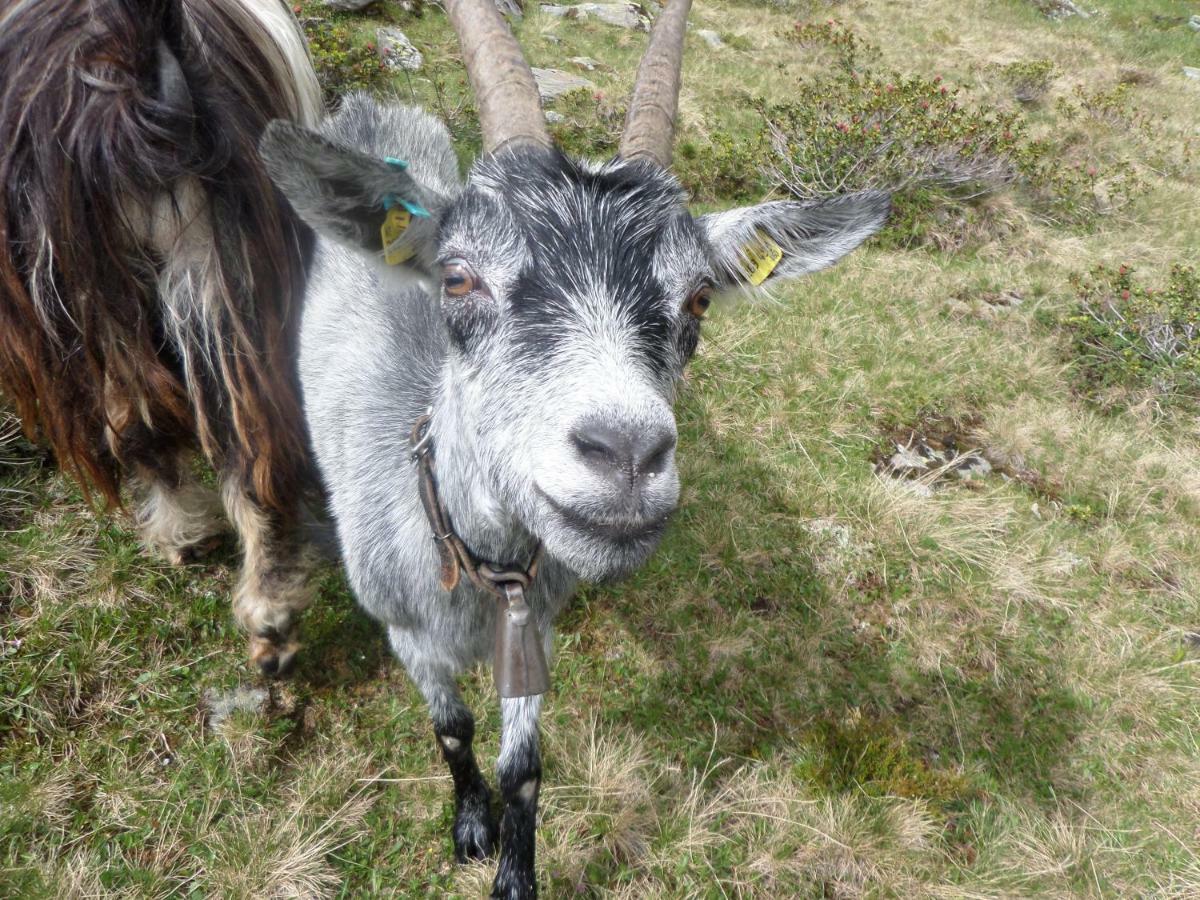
x=850 y=670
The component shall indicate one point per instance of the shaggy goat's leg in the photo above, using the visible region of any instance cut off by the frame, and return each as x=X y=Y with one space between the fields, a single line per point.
x=454 y=727
x=520 y=772
x=272 y=587
x=178 y=516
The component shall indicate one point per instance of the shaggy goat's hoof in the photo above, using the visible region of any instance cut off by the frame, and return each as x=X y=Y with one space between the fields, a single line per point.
x=526 y=889
x=273 y=653
x=475 y=831
x=193 y=553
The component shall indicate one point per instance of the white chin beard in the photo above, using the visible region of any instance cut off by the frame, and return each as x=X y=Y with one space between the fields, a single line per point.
x=600 y=559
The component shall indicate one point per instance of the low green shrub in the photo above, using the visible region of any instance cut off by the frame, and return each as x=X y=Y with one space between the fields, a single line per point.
x=1029 y=79
x=924 y=141
x=1126 y=334
x=590 y=126
x=836 y=39
x=853 y=132
x=342 y=64
x=1112 y=110
x=723 y=168
x=1110 y=105
x=911 y=136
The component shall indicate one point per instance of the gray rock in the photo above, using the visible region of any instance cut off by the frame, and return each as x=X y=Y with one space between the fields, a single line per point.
x=929 y=462
x=554 y=117
x=1191 y=72
x=347 y=5
x=551 y=39
x=244 y=699
x=584 y=62
x=1194 y=23
x=396 y=50
x=970 y=467
x=510 y=8
x=913 y=458
x=1002 y=300
x=555 y=82
x=840 y=535
x=1061 y=9
x=623 y=15
x=711 y=38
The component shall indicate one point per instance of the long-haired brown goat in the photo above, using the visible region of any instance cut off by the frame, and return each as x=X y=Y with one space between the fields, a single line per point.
x=150 y=272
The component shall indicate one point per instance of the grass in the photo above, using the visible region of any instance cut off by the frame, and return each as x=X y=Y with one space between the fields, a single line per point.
x=828 y=682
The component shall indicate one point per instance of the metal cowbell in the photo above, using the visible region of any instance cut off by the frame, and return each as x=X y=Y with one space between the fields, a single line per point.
x=519 y=665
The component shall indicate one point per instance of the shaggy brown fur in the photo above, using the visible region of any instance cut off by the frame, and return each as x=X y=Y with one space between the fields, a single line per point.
x=148 y=269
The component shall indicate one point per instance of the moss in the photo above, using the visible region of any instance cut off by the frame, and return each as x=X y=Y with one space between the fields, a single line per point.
x=862 y=752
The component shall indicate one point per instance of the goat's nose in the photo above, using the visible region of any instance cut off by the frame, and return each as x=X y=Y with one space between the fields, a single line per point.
x=631 y=454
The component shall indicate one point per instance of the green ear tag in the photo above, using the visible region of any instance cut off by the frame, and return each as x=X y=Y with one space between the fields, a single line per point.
x=760 y=257
x=394 y=225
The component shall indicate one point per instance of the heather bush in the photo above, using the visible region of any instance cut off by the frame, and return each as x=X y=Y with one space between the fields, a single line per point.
x=723 y=168
x=588 y=123
x=342 y=63
x=1127 y=334
x=931 y=147
x=835 y=39
x=854 y=132
x=1029 y=79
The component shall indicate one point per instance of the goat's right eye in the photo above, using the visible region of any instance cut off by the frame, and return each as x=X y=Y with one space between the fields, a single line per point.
x=458 y=278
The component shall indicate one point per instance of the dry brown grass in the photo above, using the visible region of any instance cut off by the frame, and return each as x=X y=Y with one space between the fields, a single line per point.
x=829 y=683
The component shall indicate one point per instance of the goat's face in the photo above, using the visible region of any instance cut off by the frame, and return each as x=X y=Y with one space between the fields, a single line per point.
x=572 y=295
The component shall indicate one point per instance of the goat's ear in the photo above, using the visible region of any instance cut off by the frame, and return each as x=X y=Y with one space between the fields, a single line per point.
x=350 y=197
x=786 y=239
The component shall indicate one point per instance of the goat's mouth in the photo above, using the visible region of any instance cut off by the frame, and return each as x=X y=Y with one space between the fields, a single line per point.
x=630 y=531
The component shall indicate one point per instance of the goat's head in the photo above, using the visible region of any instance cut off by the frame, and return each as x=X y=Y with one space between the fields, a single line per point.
x=572 y=292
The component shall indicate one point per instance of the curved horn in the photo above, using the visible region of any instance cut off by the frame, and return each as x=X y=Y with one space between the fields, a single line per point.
x=650 y=122
x=510 y=110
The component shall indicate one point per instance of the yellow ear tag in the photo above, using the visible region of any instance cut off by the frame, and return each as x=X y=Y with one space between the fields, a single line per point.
x=394 y=224
x=760 y=257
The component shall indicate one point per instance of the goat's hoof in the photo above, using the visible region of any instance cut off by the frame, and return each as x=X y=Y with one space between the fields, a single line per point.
x=475 y=832
x=273 y=653
x=526 y=890
x=193 y=553
x=514 y=881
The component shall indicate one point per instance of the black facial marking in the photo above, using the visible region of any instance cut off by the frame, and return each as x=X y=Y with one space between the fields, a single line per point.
x=689 y=340
x=591 y=234
x=468 y=319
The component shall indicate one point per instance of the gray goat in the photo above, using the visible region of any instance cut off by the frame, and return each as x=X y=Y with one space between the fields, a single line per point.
x=542 y=313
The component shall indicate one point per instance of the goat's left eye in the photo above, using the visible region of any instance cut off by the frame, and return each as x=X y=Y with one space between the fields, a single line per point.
x=458 y=278
x=698 y=303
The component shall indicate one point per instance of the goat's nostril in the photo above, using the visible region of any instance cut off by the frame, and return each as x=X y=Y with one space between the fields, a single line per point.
x=630 y=453
x=654 y=461
x=601 y=445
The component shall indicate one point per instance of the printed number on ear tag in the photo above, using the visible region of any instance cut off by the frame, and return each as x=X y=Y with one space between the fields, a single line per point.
x=760 y=257
x=394 y=225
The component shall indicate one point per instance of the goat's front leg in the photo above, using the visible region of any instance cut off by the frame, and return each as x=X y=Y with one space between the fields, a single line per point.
x=454 y=728
x=520 y=774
